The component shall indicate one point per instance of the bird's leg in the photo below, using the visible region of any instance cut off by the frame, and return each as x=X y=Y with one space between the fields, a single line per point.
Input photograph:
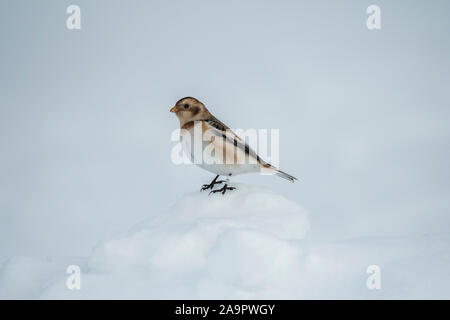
x=223 y=189
x=212 y=184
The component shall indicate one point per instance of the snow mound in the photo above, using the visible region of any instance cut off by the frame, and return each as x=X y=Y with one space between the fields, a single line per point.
x=246 y=244
x=24 y=277
x=184 y=238
x=240 y=244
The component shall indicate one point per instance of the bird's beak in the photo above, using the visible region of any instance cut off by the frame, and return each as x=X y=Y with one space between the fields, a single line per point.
x=174 y=109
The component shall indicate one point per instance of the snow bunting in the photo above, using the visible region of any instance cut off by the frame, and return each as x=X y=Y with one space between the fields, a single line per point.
x=235 y=156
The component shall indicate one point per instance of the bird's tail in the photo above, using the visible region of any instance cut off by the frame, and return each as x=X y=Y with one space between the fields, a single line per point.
x=286 y=176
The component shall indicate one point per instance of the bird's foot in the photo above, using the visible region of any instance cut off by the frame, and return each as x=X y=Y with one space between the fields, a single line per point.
x=223 y=189
x=212 y=184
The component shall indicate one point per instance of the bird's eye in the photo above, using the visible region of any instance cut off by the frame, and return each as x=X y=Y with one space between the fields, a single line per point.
x=186 y=106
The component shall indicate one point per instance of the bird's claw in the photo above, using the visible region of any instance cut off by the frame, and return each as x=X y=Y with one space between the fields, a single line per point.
x=212 y=184
x=223 y=189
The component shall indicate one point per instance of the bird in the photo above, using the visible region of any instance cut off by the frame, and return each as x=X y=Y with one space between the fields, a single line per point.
x=236 y=155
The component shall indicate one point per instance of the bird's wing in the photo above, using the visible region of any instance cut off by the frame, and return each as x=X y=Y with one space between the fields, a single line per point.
x=223 y=131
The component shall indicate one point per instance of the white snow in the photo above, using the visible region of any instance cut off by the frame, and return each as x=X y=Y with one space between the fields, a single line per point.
x=24 y=277
x=248 y=243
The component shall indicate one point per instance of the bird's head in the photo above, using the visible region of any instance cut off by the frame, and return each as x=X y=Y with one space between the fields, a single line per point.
x=190 y=109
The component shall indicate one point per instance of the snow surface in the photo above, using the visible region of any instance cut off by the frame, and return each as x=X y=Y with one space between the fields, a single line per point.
x=249 y=243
